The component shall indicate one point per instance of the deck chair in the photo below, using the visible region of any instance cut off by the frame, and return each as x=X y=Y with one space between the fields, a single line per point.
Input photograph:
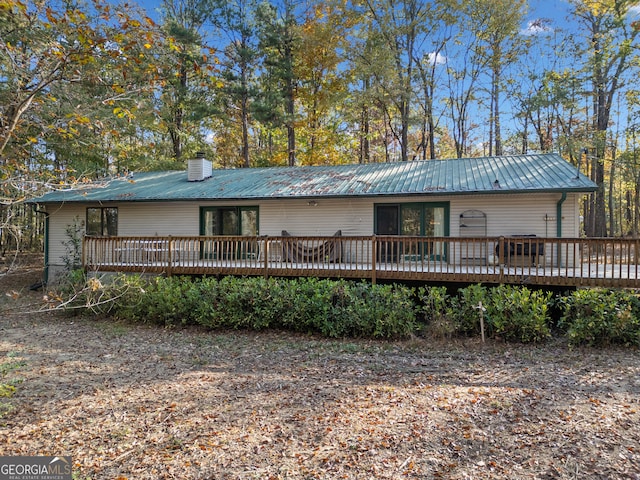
x=299 y=252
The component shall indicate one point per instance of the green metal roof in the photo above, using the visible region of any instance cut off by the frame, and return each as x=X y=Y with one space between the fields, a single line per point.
x=504 y=174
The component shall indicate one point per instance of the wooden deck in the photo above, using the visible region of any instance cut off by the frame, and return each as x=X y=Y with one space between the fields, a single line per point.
x=528 y=260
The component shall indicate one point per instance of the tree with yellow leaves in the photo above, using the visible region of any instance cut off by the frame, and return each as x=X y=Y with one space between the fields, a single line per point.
x=609 y=50
x=70 y=74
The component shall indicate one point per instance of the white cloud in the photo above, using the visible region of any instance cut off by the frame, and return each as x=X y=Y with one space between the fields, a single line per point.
x=539 y=26
x=434 y=58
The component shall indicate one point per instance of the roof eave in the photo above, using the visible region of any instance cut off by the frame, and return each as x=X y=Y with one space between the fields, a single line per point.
x=581 y=189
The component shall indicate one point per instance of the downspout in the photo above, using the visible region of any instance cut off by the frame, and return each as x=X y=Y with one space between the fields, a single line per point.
x=563 y=197
x=45 y=275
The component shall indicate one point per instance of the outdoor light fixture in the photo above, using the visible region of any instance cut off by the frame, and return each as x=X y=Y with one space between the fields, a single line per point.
x=312 y=203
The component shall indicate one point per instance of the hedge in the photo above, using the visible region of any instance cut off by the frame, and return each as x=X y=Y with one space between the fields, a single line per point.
x=342 y=308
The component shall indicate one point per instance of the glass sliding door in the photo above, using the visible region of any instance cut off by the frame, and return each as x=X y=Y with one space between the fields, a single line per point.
x=228 y=221
x=411 y=219
x=249 y=222
x=387 y=222
x=436 y=226
x=414 y=220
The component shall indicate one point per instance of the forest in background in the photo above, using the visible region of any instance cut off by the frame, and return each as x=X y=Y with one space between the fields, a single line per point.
x=92 y=89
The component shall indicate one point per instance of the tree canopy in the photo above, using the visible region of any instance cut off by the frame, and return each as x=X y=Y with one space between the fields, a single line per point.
x=89 y=88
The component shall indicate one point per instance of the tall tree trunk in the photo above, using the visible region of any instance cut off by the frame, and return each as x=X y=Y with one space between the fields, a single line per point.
x=404 y=133
x=175 y=130
x=290 y=88
x=525 y=135
x=245 y=117
x=636 y=208
x=365 y=153
x=496 y=114
x=611 y=201
x=495 y=142
x=432 y=139
x=245 y=135
x=628 y=214
x=291 y=131
x=491 y=102
x=365 y=127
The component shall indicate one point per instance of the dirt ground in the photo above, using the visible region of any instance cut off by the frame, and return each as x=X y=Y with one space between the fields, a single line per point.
x=141 y=402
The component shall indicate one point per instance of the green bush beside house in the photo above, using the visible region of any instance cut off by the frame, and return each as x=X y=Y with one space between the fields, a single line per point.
x=341 y=308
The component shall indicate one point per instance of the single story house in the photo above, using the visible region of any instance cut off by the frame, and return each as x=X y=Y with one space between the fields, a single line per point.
x=536 y=194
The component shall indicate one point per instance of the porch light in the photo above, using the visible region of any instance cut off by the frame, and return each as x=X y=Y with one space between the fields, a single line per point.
x=312 y=203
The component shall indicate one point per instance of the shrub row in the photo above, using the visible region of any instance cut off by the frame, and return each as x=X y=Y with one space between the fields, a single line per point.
x=509 y=312
x=341 y=308
x=332 y=308
x=599 y=317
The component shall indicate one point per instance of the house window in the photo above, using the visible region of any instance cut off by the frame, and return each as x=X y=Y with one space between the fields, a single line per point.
x=229 y=221
x=102 y=222
x=415 y=220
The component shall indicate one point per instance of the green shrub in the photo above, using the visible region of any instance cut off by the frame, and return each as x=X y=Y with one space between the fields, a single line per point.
x=519 y=314
x=254 y=302
x=600 y=317
x=400 y=319
x=163 y=301
x=342 y=308
x=264 y=306
x=378 y=311
x=334 y=308
x=437 y=313
x=341 y=318
x=465 y=309
x=233 y=303
x=305 y=304
x=512 y=313
x=207 y=309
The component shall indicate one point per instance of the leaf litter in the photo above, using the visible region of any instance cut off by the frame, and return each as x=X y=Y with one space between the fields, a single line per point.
x=142 y=402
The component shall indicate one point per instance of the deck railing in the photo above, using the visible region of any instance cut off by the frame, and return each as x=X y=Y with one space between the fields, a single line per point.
x=522 y=259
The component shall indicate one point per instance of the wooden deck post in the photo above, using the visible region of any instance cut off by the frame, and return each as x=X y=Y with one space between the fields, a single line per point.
x=84 y=252
x=265 y=255
x=501 y=259
x=169 y=248
x=374 y=254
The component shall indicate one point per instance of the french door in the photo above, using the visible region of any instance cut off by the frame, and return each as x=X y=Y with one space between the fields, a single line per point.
x=416 y=220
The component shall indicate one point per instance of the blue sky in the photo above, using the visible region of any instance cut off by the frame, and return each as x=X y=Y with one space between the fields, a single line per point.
x=555 y=14
x=552 y=9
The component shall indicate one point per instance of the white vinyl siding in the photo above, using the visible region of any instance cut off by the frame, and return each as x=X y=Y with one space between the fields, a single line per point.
x=520 y=214
x=352 y=217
